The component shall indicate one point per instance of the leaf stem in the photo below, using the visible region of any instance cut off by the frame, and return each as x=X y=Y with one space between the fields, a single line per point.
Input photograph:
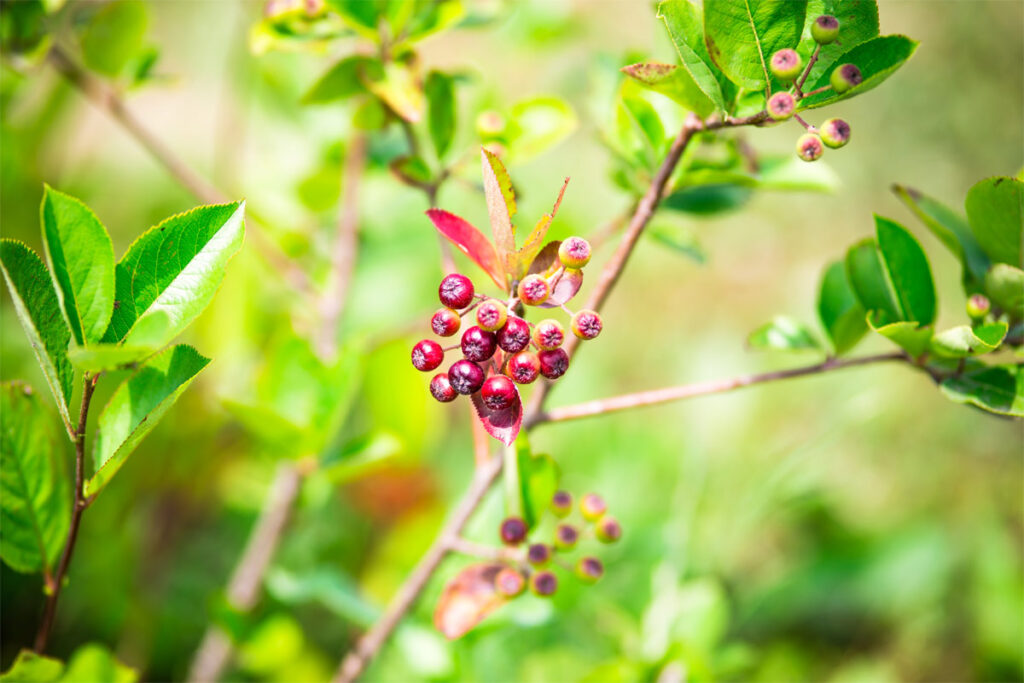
x=807 y=72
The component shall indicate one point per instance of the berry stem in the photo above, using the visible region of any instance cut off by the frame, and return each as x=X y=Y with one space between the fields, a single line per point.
x=566 y=309
x=824 y=88
x=807 y=72
x=484 y=552
x=809 y=127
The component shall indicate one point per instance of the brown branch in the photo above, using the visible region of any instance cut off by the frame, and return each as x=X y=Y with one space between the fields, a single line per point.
x=55 y=582
x=678 y=393
x=243 y=590
x=807 y=72
x=106 y=99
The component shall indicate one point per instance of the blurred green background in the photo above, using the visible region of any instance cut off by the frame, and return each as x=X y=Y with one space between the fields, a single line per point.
x=851 y=527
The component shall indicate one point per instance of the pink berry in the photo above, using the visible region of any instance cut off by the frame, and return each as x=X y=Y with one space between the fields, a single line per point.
x=553 y=364
x=592 y=506
x=445 y=322
x=574 y=252
x=543 y=583
x=523 y=367
x=456 y=291
x=533 y=290
x=441 y=388
x=498 y=392
x=427 y=355
x=514 y=336
x=509 y=582
x=491 y=315
x=781 y=106
x=548 y=334
x=587 y=324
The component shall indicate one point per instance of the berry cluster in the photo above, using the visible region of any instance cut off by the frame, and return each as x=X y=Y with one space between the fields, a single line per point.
x=503 y=349
x=787 y=66
x=534 y=566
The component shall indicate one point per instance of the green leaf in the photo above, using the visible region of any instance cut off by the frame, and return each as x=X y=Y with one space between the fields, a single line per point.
x=171 y=273
x=839 y=311
x=343 y=80
x=362 y=16
x=995 y=210
x=397 y=87
x=952 y=230
x=685 y=27
x=1005 y=286
x=538 y=481
x=998 y=389
x=536 y=125
x=432 y=16
x=93 y=662
x=678 y=238
x=114 y=35
x=108 y=357
x=637 y=116
x=440 y=92
x=672 y=81
x=742 y=35
x=858 y=22
x=963 y=341
x=783 y=334
x=908 y=270
x=137 y=406
x=39 y=313
x=877 y=59
x=81 y=260
x=707 y=200
x=867 y=277
x=908 y=335
x=28 y=667
x=35 y=507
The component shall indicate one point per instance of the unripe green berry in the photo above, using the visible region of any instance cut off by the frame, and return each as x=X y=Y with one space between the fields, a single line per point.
x=574 y=252
x=978 y=306
x=592 y=506
x=509 y=582
x=533 y=290
x=845 y=77
x=586 y=324
x=809 y=147
x=543 y=583
x=825 y=29
x=491 y=315
x=781 y=106
x=490 y=124
x=786 y=65
x=548 y=334
x=589 y=569
x=608 y=529
x=566 y=536
x=561 y=503
x=538 y=554
x=835 y=133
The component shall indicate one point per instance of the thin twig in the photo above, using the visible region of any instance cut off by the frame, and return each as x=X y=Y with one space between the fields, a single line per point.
x=678 y=393
x=79 y=505
x=807 y=72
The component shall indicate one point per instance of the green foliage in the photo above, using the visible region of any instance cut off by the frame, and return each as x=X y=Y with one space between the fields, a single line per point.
x=35 y=504
x=114 y=36
x=440 y=91
x=908 y=271
x=877 y=59
x=741 y=37
x=783 y=334
x=90 y=662
x=995 y=210
x=343 y=80
x=963 y=341
x=839 y=310
x=1005 y=285
x=685 y=27
x=858 y=22
x=538 y=481
x=997 y=389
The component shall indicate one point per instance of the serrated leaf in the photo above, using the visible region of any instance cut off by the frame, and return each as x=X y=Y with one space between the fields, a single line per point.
x=742 y=36
x=93 y=662
x=840 y=313
x=858 y=22
x=546 y=262
x=963 y=341
x=877 y=59
x=538 y=481
x=108 y=357
x=908 y=335
x=636 y=113
x=467 y=599
x=399 y=89
x=471 y=242
x=501 y=204
x=908 y=270
x=114 y=35
x=440 y=92
x=998 y=389
x=995 y=210
x=678 y=238
x=39 y=313
x=172 y=272
x=867 y=277
x=28 y=667
x=344 y=80
x=685 y=27
x=503 y=424
x=783 y=334
x=1004 y=284
x=137 y=406
x=534 y=241
x=81 y=259
x=673 y=82
x=35 y=505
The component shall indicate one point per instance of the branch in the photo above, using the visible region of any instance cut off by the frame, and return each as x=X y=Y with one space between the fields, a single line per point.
x=678 y=393
x=243 y=590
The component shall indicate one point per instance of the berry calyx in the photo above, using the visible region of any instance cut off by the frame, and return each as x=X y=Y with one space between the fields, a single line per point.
x=509 y=582
x=587 y=324
x=427 y=355
x=498 y=392
x=592 y=506
x=523 y=367
x=441 y=388
x=553 y=364
x=589 y=569
x=513 y=530
x=478 y=345
x=845 y=77
x=574 y=252
x=514 y=336
x=835 y=133
x=548 y=334
x=809 y=147
x=781 y=106
x=566 y=536
x=491 y=315
x=445 y=322
x=533 y=290
x=561 y=503
x=825 y=29
x=456 y=291
x=538 y=554
x=978 y=307
x=786 y=65
x=465 y=377
x=608 y=529
x=543 y=583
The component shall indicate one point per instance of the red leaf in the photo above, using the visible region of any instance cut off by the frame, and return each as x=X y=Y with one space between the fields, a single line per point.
x=471 y=241
x=503 y=425
x=563 y=288
x=467 y=599
x=501 y=201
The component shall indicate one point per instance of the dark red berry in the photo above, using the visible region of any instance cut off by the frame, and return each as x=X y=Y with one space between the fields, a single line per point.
x=589 y=569
x=456 y=291
x=566 y=536
x=538 y=554
x=478 y=345
x=509 y=582
x=561 y=503
x=523 y=367
x=498 y=392
x=543 y=583
x=513 y=530
x=515 y=335
x=553 y=363
x=441 y=388
x=608 y=529
x=445 y=322
x=465 y=377
x=427 y=355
